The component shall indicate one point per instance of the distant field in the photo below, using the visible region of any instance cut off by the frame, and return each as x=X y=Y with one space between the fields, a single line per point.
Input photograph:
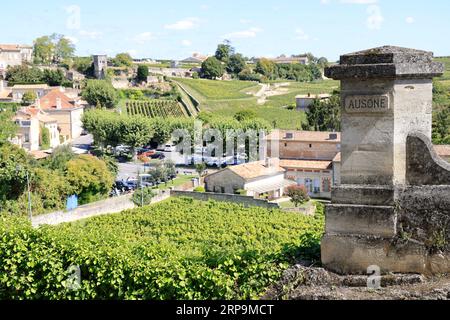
x=446 y=62
x=226 y=98
x=219 y=90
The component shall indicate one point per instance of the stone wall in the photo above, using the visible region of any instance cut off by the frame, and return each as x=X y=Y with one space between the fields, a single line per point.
x=245 y=201
x=423 y=165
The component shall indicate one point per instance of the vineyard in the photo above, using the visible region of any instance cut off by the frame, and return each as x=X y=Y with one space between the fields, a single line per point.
x=155 y=108
x=178 y=249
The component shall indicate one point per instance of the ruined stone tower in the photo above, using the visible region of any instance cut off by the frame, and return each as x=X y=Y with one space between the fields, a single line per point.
x=100 y=66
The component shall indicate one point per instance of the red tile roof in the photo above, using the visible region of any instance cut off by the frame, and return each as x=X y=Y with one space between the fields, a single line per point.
x=304 y=136
x=305 y=164
x=49 y=100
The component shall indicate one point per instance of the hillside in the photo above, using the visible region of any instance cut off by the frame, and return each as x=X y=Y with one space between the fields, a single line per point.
x=226 y=98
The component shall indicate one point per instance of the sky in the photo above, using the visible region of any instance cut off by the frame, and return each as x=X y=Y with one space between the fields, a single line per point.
x=174 y=29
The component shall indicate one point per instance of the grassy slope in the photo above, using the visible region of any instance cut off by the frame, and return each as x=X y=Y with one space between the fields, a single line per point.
x=226 y=98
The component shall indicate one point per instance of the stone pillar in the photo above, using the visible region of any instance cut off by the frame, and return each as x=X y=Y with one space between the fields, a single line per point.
x=386 y=94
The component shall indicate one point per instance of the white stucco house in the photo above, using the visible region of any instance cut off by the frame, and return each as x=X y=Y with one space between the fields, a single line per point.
x=256 y=178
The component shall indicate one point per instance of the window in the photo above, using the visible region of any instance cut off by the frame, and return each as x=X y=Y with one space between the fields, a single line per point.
x=326 y=185
x=285 y=145
x=222 y=189
x=310 y=146
x=26 y=138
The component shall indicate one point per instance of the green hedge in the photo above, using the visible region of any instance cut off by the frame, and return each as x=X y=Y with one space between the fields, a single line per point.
x=178 y=249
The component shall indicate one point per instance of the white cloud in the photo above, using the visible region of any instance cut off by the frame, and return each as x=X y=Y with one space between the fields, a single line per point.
x=185 y=24
x=360 y=1
x=245 y=21
x=186 y=43
x=143 y=37
x=324 y=1
x=74 y=40
x=132 y=52
x=93 y=35
x=375 y=19
x=249 y=33
x=410 y=20
x=301 y=35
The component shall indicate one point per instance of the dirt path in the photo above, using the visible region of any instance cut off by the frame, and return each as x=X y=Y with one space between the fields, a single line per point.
x=268 y=90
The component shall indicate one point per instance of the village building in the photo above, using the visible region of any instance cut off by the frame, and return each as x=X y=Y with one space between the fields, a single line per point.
x=195 y=59
x=18 y=90
x=68 y=113
x=303 y=102
x=443 y=151
x=14 y=55
x=308 y=158
x=31 y=122
x=100 y=66
x=256 y=178
x=302 y=59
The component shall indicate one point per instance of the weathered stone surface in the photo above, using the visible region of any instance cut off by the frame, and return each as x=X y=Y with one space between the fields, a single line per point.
x=353 y=255
x=386 y=62
x=424 y=167
x=363 y=194
x=348 y=219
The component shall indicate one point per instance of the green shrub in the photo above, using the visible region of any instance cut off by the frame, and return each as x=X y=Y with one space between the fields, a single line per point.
x=143 y=197
x=200 y=189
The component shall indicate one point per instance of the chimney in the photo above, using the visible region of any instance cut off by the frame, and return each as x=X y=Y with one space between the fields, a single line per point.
x=271 y=162
x=58 y=104
x=37 y=103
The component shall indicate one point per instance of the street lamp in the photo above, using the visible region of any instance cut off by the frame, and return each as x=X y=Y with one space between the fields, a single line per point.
x=30 y=212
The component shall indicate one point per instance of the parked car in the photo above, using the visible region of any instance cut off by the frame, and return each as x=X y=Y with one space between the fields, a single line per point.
x=158 y=155
x=122 y=186
x=146 y=153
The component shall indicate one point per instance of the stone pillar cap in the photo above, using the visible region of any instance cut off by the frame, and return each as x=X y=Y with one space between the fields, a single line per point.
x=386 y=62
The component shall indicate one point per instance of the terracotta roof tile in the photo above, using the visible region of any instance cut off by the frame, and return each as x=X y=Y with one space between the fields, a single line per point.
x=305 y=164
x=255 y=170
x=49 y=100
x=305 y=136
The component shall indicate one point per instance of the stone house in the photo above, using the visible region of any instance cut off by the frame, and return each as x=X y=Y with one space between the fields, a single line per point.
x=303 y=102
x=316 y=176
x=307 y=157
x=18 y=90
x=66 y=111
x=14 y=55
x=257 y=178
x=31 y=121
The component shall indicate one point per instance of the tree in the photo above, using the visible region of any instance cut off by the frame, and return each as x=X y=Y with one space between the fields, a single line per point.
x=63 y=48
x=52 y=188
x=43 y=50
x=325 y=115
x=100 y=92
x=245 y=115
x=23 y=75
x=28 y=98
x=44 y=138
x=84 y=65
x=142 y=73
x=265 y=67
x=224 y=51
x=8 y=128
x=135 y=132
x=212 y=68
x=123 y=60
x=298 y=195
x=236 y=63
x=143 y=197
x=200 y=169
x=14 y=165
x=89 y=177
x=54 y=77
x=59 y=158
